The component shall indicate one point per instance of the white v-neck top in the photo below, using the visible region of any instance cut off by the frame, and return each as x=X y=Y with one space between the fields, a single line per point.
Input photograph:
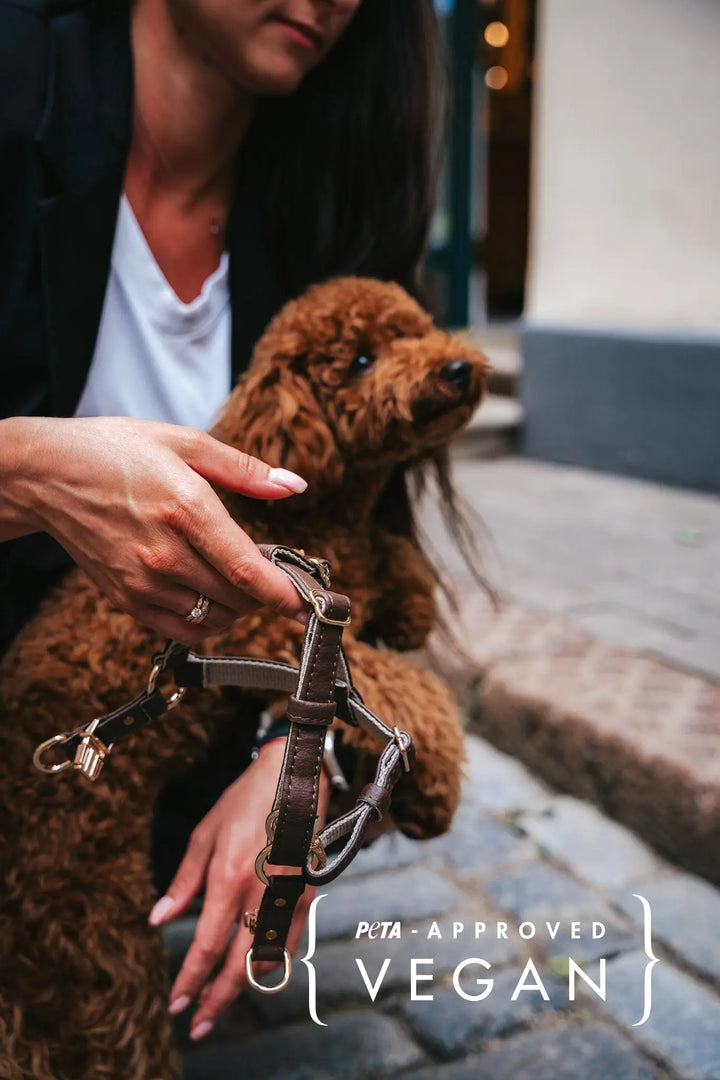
x=156 y=357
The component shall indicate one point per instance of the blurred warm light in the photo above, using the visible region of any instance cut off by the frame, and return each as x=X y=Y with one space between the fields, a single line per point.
x=497 y=34
x=496 y=77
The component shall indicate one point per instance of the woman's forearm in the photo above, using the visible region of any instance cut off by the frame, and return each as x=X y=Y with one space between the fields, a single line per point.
x=18 y=435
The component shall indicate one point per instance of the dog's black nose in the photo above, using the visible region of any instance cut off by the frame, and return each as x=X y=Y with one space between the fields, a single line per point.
x=458 y=372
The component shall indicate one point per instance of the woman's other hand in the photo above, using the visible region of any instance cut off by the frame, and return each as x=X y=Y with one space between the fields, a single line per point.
x=132 y=502
x=221 y=855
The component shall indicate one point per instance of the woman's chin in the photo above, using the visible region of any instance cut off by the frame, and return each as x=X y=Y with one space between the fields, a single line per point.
x=276 y=75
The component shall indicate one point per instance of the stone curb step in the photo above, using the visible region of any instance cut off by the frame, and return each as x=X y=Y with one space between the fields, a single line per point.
x=624 y=730
x=502 y=347
x=496 y=413
x=493 y=429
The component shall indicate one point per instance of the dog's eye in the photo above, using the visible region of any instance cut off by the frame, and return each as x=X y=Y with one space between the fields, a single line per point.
x=362 y=363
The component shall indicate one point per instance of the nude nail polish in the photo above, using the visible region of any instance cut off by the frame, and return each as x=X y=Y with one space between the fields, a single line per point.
x=201 y=1030
x=160 y=910
x=290 y=480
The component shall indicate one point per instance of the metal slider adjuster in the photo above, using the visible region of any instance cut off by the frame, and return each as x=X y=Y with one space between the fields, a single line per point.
x=316 y=848
x=314 y=598
x=402 y=747
x=90 y=753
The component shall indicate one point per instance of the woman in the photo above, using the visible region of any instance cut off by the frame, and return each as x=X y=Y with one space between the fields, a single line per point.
x=166 y=166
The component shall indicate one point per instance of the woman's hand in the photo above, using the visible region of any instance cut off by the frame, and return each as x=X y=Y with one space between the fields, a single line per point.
x=222 y=854
x=131 y=501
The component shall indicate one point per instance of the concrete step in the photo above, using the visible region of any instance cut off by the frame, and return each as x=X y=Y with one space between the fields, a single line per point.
x=617 y=727
x=501 y=344
x=496 y=413
x=493 y=429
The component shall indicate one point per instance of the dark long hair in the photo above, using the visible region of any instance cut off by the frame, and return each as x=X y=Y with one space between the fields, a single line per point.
x=346 y=166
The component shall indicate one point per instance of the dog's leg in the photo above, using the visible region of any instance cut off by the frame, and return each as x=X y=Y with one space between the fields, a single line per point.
x=406 y=611
x=415 y=700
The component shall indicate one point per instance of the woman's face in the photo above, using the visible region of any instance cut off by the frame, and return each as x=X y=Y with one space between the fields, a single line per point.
x=264 y=46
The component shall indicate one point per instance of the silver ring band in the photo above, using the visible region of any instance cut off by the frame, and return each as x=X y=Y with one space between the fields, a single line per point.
x=199 y=612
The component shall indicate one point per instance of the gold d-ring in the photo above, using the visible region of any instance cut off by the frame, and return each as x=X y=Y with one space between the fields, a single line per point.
x=40 y=750
x=287 y=971
x=174 y=698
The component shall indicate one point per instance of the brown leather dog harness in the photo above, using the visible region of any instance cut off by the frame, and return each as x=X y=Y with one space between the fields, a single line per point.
x=319 y=690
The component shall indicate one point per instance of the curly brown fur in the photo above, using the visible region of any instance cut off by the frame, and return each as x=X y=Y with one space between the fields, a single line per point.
x=84 y=988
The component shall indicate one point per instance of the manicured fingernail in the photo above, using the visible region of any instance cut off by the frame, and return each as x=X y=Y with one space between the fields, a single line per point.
x=179 y=1004
x=290 y=480
x=302 y=617
x=160 y=910
x=201 y=1030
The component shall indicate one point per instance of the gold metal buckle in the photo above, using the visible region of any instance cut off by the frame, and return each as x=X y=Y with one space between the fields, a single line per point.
x=270 y=823
x=402 y=748
x=319 y=852
x=90 y=753
x=174 y=698
x=287 y=971
x=313 y=597
x=322 y=570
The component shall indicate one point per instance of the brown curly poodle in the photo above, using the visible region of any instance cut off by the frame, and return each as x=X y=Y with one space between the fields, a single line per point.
x=350 y=386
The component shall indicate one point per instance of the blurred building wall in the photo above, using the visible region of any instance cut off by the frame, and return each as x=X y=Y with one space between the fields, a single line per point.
x=622 y=346
x=626 y=165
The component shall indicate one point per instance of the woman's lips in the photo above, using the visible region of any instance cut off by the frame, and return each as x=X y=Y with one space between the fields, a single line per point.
x=303 y=34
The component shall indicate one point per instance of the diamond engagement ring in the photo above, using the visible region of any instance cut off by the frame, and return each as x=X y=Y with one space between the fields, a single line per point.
x=199 y=612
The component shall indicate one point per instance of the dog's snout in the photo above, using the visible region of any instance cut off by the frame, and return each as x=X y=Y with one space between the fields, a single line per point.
x=458 y=372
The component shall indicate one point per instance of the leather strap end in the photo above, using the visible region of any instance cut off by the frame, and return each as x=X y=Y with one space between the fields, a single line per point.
x=275 y=916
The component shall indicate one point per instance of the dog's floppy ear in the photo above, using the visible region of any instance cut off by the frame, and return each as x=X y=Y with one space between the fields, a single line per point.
x=274 y=415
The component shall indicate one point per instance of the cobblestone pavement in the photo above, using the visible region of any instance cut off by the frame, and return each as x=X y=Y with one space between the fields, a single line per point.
x=545 y=866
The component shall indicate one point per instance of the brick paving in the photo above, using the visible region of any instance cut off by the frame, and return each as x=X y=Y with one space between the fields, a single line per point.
x=514 y=857
x=601 y=722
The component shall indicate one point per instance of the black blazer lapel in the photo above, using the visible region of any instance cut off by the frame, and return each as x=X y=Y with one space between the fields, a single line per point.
x=83 y=143
x=76 y=237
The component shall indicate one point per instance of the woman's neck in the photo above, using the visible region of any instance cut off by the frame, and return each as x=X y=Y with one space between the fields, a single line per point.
x=189 y=120
x=188 y=124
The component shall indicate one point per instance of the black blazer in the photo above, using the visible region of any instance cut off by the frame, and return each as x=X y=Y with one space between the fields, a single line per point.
x=66 y=86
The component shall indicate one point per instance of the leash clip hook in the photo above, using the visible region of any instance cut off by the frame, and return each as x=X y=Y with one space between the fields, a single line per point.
x=90 y=753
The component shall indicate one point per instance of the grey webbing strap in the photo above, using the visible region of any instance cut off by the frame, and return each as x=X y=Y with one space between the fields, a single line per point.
x=249 y=673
